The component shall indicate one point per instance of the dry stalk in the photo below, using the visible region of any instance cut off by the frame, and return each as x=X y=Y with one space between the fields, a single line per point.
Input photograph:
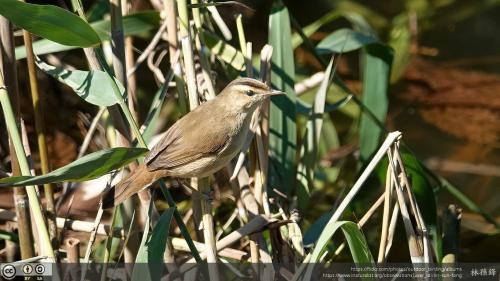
x=421 y=228
x=364 y=219
x=220 y=23
x=392 y=229
x=9 y=69
x=151 y=46
x=73 y=257
x=73 y=250
x=309 y=83
x=390 y=139
x=38 y=108
x=415 y=251
x=33 y=197
x=254 y=225
x=385 y=217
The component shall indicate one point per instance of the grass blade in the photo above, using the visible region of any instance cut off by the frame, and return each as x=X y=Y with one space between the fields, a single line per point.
x=283 y=129
x=50 y=22
x=93 y=86
x=88 y=167
x=133 y=24
x=152 y=249
x=377 y=60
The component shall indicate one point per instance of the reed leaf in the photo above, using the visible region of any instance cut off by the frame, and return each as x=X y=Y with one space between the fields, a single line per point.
x=376 y=59
x=283 y=112
x=224 y=51
x=150 y=256
x=50 y=22
x=133 y=24
x=88 y=167
x=311 y=139
x=93 y=86
x=356 y=241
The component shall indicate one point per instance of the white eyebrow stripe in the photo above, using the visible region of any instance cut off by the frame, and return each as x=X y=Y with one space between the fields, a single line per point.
x=244 y=88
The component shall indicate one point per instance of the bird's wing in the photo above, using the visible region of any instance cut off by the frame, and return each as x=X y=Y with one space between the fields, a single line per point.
x=189 y=139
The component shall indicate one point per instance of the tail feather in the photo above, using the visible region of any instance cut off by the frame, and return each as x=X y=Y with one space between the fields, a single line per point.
x=139 y=179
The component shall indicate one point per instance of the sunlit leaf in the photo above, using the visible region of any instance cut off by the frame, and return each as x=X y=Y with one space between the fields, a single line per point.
x=88 y=167
x=50 y=22
x=344 y=40
x=224 y=51
x=94 y=86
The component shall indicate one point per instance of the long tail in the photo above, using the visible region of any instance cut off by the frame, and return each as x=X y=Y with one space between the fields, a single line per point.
x=135 y=182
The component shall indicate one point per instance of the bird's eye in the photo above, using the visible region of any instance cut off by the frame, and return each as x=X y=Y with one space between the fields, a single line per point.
x=249 y=93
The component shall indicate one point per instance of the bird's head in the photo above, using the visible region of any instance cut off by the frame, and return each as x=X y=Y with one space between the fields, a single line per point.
x=247 y=93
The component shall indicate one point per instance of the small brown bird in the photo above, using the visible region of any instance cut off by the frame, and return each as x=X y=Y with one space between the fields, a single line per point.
x=201 y=142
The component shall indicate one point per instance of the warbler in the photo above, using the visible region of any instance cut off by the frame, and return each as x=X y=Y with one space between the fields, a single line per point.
x=200 y=143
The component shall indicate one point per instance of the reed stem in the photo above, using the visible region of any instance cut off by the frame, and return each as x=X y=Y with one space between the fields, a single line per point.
x=33 y=198
x=38 y=107
x=8 y=67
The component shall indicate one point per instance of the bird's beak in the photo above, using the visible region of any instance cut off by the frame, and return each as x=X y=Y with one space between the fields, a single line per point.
x=276 y=93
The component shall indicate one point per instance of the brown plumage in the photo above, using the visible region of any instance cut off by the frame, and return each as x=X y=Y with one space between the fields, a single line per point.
x=200 y=143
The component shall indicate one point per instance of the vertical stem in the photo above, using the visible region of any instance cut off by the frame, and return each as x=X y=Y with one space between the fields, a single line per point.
x=202 y=52
x=204 y=187
x=73 y=257
x=38 y=107
x=208 y=230
x=73 y=250
x=385 y=217
x=118 y=41
x=8 y=67
x=120 y=71
x=33 y=198
x=241 y=35
x=171 y=18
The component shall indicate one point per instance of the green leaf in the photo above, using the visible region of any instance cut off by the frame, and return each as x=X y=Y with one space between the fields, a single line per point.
x=314 y=231
x=310 y=146
x=224 y=51
x=356 y=241
x=88 y=167
x=315 y=26
x=50 y=22
x=133 y=24
x=283 y=112
x=149 y=258
x=305 y=108
x=376 y=65
x=344 y=40
x=7 y=235
x=377 y=60
x=93 y=86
